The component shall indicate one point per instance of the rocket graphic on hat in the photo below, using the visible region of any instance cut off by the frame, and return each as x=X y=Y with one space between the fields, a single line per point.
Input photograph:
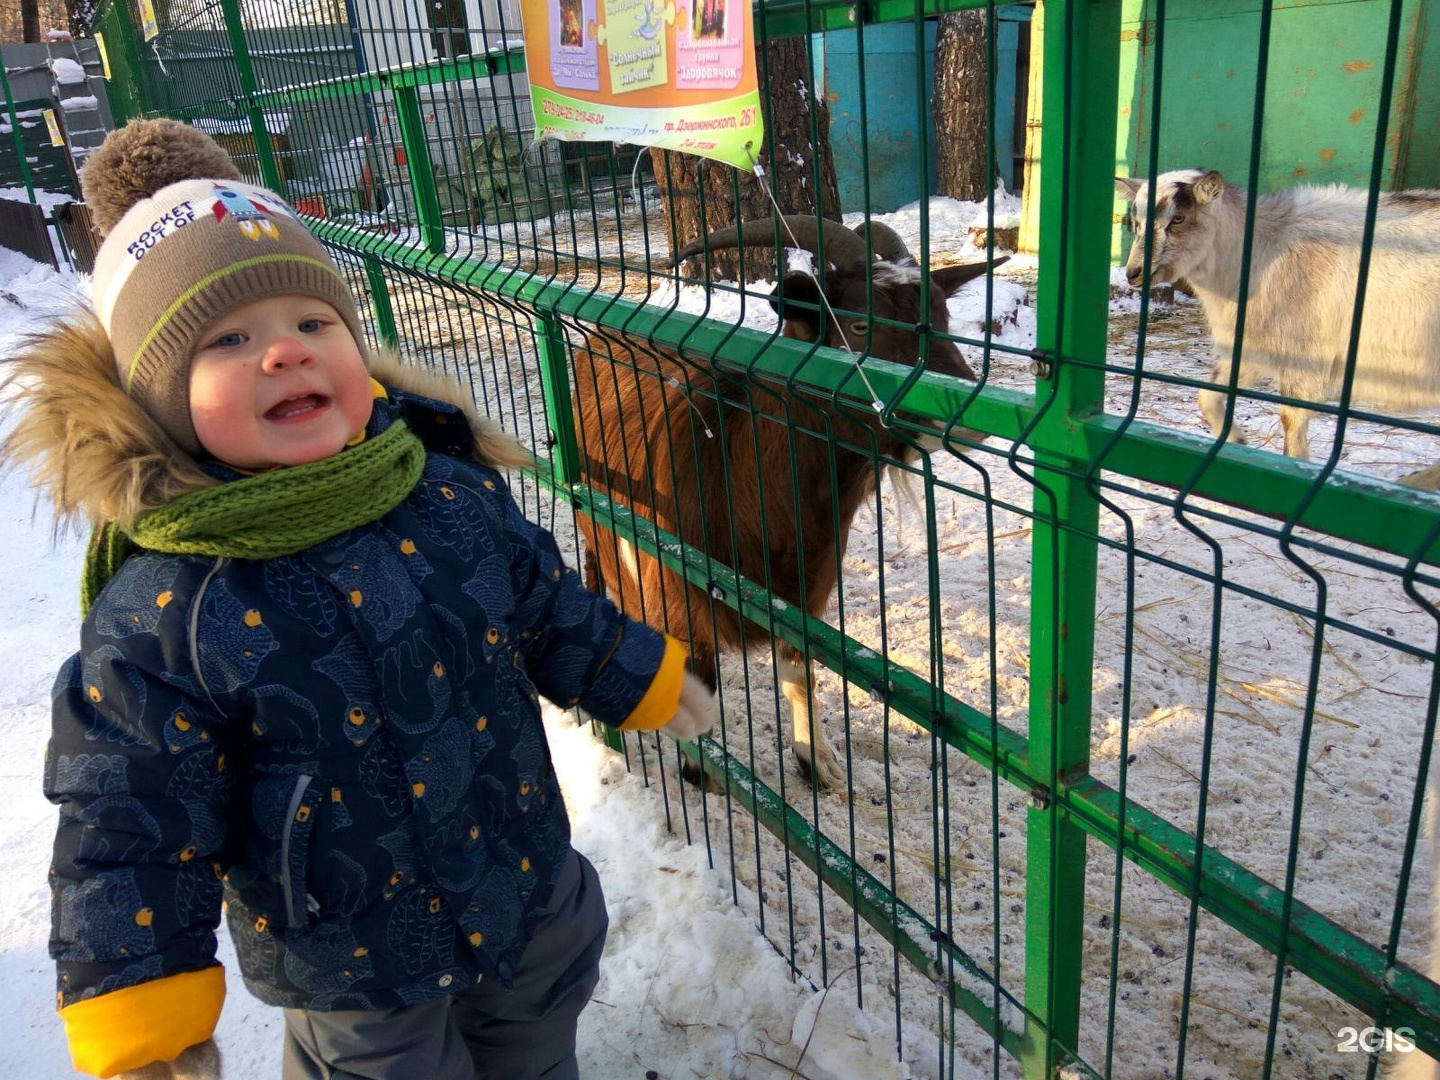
x=248 y=213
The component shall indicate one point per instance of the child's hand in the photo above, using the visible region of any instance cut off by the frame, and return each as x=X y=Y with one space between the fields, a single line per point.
x=697 y=713
x=199 y=1062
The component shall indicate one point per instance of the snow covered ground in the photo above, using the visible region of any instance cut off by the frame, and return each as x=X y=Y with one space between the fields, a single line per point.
x=691 y=989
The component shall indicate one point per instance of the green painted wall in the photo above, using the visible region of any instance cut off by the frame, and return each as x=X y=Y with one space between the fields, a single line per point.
x=1321 y=98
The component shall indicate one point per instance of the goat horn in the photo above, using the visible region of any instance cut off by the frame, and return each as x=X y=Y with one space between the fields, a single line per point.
x=842 y=247
x=885 y=241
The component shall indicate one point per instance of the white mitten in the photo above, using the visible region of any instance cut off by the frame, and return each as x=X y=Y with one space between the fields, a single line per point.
x=199 y=1062
x=697 y=713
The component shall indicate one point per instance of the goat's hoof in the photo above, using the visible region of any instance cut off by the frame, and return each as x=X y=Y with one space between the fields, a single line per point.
x=824 y=774
x=691 y=772
x=1427 y=479
x=694 y=773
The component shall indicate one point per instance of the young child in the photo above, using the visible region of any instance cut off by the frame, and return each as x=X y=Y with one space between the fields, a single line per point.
x=308 y=679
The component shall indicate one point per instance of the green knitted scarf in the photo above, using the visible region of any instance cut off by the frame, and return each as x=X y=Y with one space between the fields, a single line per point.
x=276 y=513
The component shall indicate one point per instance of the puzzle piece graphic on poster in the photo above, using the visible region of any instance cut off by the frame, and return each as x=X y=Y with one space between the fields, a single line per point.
x=635 y=43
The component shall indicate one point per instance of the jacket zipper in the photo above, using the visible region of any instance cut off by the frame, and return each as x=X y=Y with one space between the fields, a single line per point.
x=293 y=912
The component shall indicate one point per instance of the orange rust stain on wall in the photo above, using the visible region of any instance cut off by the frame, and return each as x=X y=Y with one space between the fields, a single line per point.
x=1357 y=65
x=1356 y=115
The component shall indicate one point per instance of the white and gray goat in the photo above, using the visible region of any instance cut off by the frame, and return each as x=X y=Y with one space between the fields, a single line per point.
x=1304 y=268
x=765 y=479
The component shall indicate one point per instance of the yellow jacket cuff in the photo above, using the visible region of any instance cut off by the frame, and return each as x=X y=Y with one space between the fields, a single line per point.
x=657 y=707
x=154 y=1021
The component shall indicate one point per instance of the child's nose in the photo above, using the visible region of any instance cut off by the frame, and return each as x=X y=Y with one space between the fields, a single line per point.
x=285 y=351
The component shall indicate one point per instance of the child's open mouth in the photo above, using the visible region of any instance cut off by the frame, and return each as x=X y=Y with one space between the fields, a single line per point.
x=291 y=408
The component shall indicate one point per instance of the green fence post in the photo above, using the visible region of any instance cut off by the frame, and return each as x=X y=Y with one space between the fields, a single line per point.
x=383 y=313
x=1081 y=84
x=126 y=88
x=245 y=72
x=554 y=354
x=422 y=173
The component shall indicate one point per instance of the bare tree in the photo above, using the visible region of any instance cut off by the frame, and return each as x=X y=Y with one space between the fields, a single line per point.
x=29 y=20
x=699 y=196
x=79 y=14
x=16 y=16
x=958 y=106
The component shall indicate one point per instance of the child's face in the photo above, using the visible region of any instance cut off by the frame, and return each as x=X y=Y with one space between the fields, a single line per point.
x=278 y=382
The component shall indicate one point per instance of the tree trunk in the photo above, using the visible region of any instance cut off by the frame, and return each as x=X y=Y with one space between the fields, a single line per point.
x=79 y=14
x=803 y=163
x=962 y=147
x=30 y=20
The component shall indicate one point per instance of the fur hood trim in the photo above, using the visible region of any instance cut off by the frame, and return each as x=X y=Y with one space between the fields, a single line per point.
x=97 y=457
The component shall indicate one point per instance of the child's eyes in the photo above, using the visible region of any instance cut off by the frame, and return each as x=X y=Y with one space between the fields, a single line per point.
x=235 y=338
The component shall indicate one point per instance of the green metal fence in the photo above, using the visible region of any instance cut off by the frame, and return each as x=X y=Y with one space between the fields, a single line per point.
x=1135 y=723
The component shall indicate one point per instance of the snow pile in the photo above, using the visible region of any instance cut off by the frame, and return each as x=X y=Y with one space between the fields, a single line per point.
x=66 y=71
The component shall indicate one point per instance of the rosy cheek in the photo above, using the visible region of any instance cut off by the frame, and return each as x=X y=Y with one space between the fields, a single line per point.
x=202 y=406
x=359 y=413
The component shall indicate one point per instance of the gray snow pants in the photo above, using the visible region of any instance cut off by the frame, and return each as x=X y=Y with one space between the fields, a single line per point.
x=480 y=1033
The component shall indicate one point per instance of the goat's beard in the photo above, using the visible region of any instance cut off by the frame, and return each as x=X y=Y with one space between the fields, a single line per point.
x=902 y=479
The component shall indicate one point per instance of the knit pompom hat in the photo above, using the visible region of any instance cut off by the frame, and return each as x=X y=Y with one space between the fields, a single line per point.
x=185 y=241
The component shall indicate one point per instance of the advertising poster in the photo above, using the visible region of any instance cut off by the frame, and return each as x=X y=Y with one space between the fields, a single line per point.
x=150 y=27
x=678 y=75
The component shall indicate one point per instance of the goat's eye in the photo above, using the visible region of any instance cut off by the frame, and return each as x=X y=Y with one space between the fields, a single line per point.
x=859 y=328
x=1178 y=219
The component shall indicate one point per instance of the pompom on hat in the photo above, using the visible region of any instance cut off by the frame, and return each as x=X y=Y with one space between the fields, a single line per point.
x=185 y=241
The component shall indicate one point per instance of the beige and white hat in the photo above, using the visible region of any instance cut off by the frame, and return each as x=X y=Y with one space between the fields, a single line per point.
x=186 y=240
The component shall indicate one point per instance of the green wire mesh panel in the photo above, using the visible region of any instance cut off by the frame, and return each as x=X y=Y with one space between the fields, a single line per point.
x=1131 y=724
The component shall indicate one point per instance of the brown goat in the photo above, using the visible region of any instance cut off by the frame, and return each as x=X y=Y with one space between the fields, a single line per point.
x=765 y=481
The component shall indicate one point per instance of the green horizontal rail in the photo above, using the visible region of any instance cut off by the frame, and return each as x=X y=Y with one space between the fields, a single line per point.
x=1335 y=958
x=959 y=725
x=1400 y=521
x=901 y=925
x=465 y=69
x=1338 y=960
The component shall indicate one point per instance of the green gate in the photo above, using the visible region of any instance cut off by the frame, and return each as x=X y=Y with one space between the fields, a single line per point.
x=1102 y=624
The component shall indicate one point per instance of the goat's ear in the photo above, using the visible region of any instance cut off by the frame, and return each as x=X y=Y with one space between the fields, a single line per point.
x=1127 y=187
x=1208 y=187
x=799 y=288
x=952 y=278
